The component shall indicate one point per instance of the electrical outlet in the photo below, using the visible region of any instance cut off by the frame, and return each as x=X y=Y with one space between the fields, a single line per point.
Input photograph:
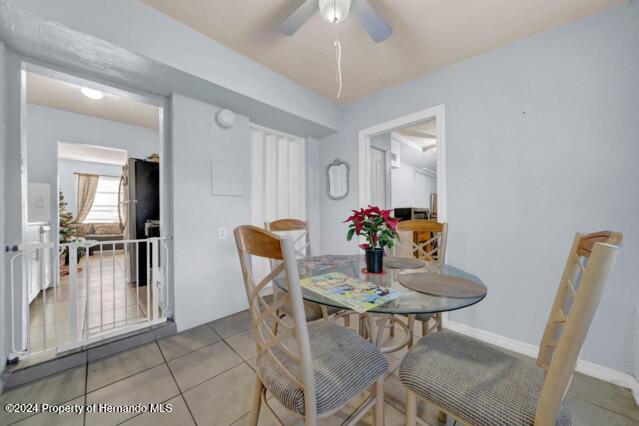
x=221 y=233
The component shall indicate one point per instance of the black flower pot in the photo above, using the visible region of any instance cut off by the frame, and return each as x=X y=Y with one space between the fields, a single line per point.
x=375 y=260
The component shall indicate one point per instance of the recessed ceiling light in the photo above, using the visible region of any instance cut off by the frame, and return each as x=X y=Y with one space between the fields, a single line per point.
x=92 y=93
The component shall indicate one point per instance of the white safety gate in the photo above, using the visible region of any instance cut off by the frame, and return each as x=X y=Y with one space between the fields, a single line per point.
x=86 y=291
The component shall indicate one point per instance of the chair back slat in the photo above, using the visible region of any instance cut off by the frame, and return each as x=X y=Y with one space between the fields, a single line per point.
x=432 y=249
x=588 y=242
x=421 y=225
x=589 y=264
x=287 y=225
x=299 y=230
x=262 y=245
x=274 y=337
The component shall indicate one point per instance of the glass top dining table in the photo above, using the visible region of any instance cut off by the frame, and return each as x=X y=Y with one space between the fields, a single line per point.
x=411 y=302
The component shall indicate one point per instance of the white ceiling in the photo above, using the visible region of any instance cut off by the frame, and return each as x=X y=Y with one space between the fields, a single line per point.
x=66 y=96
x=413 y=140
x=423 y=134
x=427 y=35
x=92 y=154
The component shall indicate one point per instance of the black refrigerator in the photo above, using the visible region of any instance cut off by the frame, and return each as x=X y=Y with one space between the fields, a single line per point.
x=139 y=200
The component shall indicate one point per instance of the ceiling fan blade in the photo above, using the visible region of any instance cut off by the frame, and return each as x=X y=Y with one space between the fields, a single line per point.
x=376 y=27
x=296 y=19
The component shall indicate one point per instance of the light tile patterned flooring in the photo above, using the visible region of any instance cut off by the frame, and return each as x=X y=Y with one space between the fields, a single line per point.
x=206 y=373
x=110 y=300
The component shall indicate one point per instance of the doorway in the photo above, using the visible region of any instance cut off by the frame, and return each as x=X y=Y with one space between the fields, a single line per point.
x=410 y=154
x=94 y=249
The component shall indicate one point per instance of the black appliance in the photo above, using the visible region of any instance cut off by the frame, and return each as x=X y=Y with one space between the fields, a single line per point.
x=411 y=213
x=139 y=200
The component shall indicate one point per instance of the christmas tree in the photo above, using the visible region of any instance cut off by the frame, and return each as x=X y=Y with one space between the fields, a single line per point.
x=69 y=231
x=68 y=227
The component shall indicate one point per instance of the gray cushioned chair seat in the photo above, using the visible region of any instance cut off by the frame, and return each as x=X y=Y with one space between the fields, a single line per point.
x=479 y=383
x=423 y=317
x=344 y=365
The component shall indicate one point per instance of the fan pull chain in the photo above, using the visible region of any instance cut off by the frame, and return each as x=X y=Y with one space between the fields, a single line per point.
x=338 y=58
x=338 y=53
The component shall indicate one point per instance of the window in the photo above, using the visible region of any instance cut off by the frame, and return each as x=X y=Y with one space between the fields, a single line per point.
x=105 y=203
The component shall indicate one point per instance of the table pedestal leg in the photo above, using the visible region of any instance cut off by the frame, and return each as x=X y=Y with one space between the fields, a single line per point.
x=411 y=329
x=361 y=325
x=375 y=330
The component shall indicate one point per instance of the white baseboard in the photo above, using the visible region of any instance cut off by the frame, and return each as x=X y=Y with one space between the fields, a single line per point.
x=585 y=367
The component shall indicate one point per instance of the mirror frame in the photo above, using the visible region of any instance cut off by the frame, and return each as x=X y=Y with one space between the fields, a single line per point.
x=337 y=162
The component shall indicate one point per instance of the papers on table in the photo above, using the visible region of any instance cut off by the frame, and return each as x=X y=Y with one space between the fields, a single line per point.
x=356 y=294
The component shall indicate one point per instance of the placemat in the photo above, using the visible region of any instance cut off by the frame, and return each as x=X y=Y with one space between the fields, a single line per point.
x=441 y=285
x=398 y=262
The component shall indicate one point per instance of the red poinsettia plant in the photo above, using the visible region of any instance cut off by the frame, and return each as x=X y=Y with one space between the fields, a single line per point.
x=376 y=225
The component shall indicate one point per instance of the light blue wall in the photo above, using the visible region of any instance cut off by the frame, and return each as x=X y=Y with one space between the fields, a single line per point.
x=207 y=276
x=411 y=188
x=542 y=142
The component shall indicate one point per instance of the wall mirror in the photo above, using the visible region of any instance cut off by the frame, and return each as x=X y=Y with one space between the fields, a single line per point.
x=337 y=179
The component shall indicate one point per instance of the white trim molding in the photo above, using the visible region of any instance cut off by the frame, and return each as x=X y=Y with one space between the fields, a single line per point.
x=267 y=131
x=585 y=367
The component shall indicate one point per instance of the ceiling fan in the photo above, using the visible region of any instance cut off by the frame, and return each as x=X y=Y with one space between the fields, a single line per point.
x=335 y=11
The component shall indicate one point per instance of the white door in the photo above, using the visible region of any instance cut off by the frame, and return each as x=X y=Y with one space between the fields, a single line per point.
x=378 y=177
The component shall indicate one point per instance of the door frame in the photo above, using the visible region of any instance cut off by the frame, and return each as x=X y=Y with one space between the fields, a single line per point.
x=105 y=85
x=364 y=148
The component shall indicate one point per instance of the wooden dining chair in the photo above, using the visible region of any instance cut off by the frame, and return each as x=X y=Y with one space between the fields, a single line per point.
x=480 y=384
x=312 y=369
x=425 y=240
x=301 y=241
x=300 y=233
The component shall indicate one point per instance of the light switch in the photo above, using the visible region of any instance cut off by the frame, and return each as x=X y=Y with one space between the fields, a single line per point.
x=221 y=233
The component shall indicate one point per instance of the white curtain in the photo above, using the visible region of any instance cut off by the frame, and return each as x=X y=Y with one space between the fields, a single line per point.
x=278 y=180
x=87 y=187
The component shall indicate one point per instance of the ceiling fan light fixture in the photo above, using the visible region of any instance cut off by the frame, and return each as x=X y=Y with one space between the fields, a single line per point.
x=334 y=11
x=94 y=94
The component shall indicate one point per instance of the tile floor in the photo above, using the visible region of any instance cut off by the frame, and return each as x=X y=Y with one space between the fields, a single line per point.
x=207 y=375
x=110 y=302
